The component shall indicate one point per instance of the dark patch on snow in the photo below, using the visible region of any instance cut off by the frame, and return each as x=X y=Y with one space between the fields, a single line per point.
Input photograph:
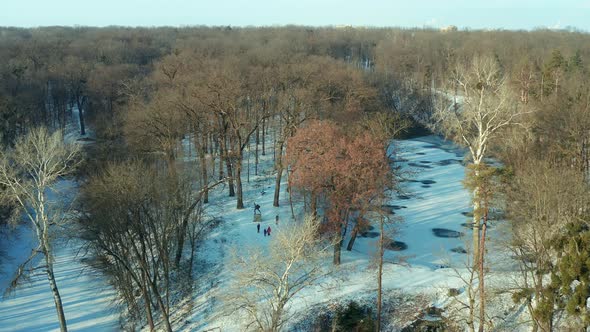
x=398 y=160
x=459 y=250
x=446 y=162
x=467 y=214
x=419 y=165
x=425 y=186
x=425 y=162
x=389 y=208
x=403 y=197
x=420 y=153
x=397 y=246
x=431 y=146
x=371 y=235
x=446 y=233
x=398 y=207
x=428 y=182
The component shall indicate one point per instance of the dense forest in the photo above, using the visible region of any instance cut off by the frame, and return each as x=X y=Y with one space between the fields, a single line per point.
x=155 y=124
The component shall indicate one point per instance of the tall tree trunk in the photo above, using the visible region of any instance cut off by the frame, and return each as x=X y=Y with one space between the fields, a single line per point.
x=221 y=157
x=279 y=168
x=256 y=151
x=263 y=136
x=482 y=297
x=205 y=181
x=314 y=205
x=232 y=192
x=148 y=301
x=228 y=166
x=379 y=276
x=181 y=239
x=353 y=235
x=163 y=308
x=476 y=218
x=240 y=195
x=55 y=291
x=290 y=189
x=338 y=246
x=80 y=105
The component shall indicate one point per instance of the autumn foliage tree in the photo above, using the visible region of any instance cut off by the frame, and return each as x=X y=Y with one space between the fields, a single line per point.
x=341 y=175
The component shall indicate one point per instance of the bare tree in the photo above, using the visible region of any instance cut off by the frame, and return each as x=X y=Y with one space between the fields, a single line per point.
x=481 y=106
x=28 y=172
x=266 y=282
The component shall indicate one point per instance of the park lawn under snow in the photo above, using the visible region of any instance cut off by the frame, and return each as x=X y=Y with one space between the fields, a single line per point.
x=423 y=268
x=434 y=197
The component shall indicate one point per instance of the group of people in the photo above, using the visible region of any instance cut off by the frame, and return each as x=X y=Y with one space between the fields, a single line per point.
x=257 y=212
x=266 y=230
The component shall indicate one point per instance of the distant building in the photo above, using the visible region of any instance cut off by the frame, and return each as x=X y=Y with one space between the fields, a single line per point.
x=450 y=28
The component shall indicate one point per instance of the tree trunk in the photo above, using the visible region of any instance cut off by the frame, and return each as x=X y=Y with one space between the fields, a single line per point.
x=482 y=297
x=232 y=191
x=338 y=246
x=56 y=296
x=263 y=136
x=202 y=152
x=290 y=189
x=221 y=158
x=148 y=301
x=256 y=153
x=476 y=218
x=240 y=196
x=379 y=276
x=279 y=168
x=275 y=201
x=353 y=235
x=163 y=308
x=181 y=238
x=80 y=105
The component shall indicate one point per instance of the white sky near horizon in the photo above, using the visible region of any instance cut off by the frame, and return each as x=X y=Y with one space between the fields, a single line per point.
x=474 y=14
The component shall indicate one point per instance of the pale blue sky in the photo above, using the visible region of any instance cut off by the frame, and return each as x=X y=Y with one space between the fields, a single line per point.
x=475 y=14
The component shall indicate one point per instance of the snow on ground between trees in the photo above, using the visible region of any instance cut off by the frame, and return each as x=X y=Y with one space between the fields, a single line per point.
x=433 y=198
x=423 y=264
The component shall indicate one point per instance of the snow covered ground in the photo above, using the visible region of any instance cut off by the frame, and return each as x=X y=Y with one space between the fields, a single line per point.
x=433 y=197
x=87 y=299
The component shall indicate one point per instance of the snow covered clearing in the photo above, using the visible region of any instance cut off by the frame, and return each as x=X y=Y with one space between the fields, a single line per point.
x=432 y=208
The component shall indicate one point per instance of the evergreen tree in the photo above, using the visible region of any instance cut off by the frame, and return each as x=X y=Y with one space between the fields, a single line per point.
x=572 y=273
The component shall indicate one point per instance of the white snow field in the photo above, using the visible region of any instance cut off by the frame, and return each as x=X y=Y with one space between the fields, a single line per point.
x=433 y=197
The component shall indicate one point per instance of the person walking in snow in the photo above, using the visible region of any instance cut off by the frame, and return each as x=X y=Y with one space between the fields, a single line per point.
x=258 y=228
x=265 y=232
x=257 y=208
x=268 y=231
